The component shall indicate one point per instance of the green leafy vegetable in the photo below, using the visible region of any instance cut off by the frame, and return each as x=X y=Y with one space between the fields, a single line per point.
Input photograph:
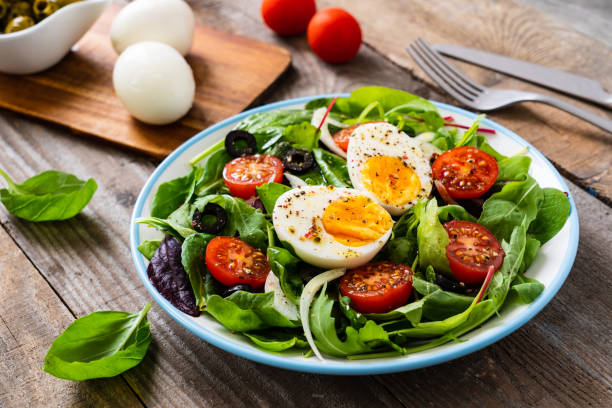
x=512 y=168
x=192 y=257
x=469 y=136
x=268 y=127
x=48 y=196
x=528 y=289
x=432 y=238
x=285 y=267
x=551 y=215
x=172 y=194
x=333 y=168
x=101 y=344
x=268 y=194
x=302 y=136
x=148 y=248
x=277 y=340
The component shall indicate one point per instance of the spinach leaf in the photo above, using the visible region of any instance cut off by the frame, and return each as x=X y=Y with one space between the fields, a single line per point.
x=432 y=238
x=515 y=204
x=167 y=226
x=48 y=196
x=192 y=257
x=268 y=127
x=503 y=278
x=277 y=339
x=286 y=268
x=245 y=311
x=531 y=249
x=401 y=250
x=268 y=194
x=212 y=173
x=528 y=289
x=172 y=194
x=412 y=312
x=148 y=248
x=445 y=139
x=168 y=276
x=442 y=304
x=302 y=136
x=511 y=168
x=101 y=344
x=333 y=168
x=551 y=216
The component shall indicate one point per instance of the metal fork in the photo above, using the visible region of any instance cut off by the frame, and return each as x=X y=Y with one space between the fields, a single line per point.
x=485 y=99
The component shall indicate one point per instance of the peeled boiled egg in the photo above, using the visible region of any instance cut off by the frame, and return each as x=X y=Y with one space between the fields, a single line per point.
x=331 y=227
x=154 y=82
x=168 y=21
x=388 y=164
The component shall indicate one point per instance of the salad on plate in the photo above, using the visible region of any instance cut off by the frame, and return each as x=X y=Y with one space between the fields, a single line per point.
x=360 y=227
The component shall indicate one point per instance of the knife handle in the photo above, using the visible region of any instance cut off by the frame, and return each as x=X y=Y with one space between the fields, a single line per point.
x=599 y=121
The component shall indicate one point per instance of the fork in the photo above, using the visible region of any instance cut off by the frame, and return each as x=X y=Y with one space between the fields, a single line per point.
x=485 y=99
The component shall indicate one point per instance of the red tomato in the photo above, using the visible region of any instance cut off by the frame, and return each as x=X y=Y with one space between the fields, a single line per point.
x=377 y=287
x=243 y=174
x=466 y=172
x=342 y=137
x=232 y=261
x=287 y=17
x=334 y=35
x=471 y=251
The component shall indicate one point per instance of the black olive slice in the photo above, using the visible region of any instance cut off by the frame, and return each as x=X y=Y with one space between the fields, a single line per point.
x=236 y=288
x=452 y=285
x=298 y=160
x=240 y=143
x=211 y=209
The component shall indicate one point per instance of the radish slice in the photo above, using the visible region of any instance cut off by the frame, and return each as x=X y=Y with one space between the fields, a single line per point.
x=325 y=137
x=281 y=303
x=295 y=181
x=308 y=294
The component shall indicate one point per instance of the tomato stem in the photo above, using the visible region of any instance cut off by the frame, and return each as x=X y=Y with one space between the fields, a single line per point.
x=329 y=108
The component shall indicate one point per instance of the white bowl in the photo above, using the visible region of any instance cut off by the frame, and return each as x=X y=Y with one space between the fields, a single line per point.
x=46 y=43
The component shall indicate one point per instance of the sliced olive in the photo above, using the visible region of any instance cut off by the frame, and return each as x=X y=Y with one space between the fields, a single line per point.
x=452 y=285
x=298 y=160
x=211 y=220
x=236 y=288
x=240 y=143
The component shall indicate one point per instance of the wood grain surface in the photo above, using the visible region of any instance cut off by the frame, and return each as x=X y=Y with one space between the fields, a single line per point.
x=230 y=72
x=561 y=358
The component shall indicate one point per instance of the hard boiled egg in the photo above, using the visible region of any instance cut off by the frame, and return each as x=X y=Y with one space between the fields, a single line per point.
x=167 y=21
x=331 y=227
x=154 y=82
x=388 y=164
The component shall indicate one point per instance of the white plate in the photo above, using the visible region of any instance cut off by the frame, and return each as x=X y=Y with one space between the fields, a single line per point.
x=551 y=266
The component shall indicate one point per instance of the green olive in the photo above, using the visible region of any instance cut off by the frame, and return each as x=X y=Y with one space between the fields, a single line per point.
x=18 y=23
x=44 y=8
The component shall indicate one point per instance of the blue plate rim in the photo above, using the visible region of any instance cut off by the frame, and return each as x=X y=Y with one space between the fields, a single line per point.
x=403 y=363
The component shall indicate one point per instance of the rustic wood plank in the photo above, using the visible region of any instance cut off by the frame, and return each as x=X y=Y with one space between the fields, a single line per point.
x=31 y=316
x=515 y=30
x=230 y=72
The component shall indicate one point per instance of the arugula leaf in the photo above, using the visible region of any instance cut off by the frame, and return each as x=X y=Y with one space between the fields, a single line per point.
x=48 y=196
x=445 y=213
x=268 y=194
x=285 y=267
x=333 y=168
x=277 y=340
x=432 y=239
x=551 y=216
x=148 y=248
x=172 y=194
x=101 y=344
x=302 y=136
x=515 y=204
x=245 y=311
x=192 y=258
x=356 y=319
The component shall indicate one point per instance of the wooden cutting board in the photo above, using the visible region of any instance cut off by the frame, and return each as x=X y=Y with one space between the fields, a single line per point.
x=230 y=72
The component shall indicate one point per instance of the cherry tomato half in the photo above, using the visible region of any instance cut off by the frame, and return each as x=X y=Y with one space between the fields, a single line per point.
x=334 y=35
x=287 y=17
x=471 y=251
x=243 y=174
x=232 y=261
x=466 y=172
x=377 y=287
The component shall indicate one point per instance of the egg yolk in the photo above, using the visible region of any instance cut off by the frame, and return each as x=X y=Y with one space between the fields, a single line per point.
x=356 y=220
x=390 y=179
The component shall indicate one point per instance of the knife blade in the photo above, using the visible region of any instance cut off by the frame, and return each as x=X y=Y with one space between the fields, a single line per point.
x=572 y=84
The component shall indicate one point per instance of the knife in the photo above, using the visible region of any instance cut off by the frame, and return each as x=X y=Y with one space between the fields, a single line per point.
x=575 y=85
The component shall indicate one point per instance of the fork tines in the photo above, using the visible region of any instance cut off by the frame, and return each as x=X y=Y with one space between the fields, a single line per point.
x=444 y=74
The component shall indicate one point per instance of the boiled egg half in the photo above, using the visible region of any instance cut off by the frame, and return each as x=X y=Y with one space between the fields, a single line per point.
x=390 y=165
x=331 y=227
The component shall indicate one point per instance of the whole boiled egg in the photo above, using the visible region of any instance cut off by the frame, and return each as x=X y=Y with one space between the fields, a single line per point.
x=388 y=164
x=154 y=82
x=331 y=227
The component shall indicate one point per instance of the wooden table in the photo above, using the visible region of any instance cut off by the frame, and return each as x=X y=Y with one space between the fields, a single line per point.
x=51 y=273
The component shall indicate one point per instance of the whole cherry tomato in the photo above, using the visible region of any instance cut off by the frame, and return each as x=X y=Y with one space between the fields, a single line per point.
x=287 y=17
x=334 y=35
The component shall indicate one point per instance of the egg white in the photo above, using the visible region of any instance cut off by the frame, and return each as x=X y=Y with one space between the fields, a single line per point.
x=299 y=209
x=384 y=139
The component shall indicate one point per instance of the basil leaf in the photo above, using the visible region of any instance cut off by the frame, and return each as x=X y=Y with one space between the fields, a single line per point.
x=48 y=196
x=101 y=344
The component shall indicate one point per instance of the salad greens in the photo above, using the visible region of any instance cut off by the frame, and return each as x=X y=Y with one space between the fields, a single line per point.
x=520 y=214
x=101 y=344
x=48 y=196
